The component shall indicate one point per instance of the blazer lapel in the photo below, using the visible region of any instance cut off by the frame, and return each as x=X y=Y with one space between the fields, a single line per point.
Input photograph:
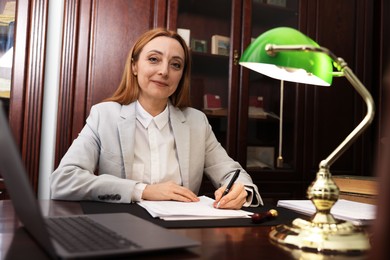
x=181 y=132
x=126 y=129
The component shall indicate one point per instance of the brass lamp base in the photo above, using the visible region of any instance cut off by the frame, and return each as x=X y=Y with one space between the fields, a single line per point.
x=323 y=234
x=329 y=239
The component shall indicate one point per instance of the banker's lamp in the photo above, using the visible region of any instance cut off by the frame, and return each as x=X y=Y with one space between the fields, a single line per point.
x=287 y=54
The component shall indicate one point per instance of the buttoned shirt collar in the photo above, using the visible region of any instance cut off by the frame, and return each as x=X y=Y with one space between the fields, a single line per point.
x=145 y=118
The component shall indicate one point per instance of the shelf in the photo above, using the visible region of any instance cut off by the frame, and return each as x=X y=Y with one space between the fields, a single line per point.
x=216 y=112
x=213 y=74
x=272 y=12
x=271 y=16
x=215 y=8
x=260 y=114
x=201 y=62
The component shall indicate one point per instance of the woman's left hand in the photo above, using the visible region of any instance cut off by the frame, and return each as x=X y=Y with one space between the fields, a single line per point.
x=235 y=199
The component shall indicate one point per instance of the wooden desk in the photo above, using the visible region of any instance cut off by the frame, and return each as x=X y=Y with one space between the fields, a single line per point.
x=217 y=243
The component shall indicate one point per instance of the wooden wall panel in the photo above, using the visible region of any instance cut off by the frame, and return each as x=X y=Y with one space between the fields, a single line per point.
x=27 y=82
x=333 y=112
x=97 y=38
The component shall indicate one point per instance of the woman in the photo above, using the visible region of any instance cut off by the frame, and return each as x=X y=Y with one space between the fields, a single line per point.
x=145 y=142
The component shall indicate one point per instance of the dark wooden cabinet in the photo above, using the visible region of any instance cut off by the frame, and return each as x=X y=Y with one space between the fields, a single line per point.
x=262 y=135
x=315 y=119
x=214 y=71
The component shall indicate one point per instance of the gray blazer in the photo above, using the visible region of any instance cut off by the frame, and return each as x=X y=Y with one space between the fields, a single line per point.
x=106 y=144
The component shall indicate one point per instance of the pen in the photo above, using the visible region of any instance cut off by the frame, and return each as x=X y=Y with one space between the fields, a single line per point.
x=230 y=184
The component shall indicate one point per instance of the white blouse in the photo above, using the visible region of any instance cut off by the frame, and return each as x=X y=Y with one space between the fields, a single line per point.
x=155 y=155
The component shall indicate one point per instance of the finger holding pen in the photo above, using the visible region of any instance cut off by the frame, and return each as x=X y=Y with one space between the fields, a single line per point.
x=232 y=195
x=235 y=199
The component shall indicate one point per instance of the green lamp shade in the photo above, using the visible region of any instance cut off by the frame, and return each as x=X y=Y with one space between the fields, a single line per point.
x=300 y=66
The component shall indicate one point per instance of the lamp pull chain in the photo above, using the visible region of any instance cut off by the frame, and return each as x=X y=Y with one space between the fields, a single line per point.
x=279 y=161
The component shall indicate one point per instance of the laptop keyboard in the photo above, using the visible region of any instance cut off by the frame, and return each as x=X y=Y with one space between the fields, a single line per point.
x=82 y=234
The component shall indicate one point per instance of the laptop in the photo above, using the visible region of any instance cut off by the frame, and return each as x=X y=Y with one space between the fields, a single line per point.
x=136 y=235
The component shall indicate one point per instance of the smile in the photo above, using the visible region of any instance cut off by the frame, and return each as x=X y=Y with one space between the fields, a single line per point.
x=160 y=83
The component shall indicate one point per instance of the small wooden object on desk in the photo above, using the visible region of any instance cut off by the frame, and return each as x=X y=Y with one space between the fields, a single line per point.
x=357 y=188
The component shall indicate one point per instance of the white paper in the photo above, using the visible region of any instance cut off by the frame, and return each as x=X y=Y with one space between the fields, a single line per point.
x=203 y=209
x=356 y=212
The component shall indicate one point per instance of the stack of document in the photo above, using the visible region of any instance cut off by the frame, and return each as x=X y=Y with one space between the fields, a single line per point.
x=203 y=209
x=356 y=212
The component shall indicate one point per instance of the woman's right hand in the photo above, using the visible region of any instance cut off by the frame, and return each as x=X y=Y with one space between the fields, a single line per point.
x=168 y=191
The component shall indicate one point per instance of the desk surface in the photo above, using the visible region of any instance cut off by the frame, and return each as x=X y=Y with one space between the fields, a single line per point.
x=224 y=243
x=250 y=242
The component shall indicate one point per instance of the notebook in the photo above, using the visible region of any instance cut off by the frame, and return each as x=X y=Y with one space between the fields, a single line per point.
x=145 y=235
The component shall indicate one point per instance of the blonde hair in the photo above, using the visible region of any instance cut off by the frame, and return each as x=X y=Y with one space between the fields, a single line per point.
x=128 y=89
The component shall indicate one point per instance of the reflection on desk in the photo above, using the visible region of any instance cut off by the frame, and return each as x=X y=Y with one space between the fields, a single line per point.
x=250 y=242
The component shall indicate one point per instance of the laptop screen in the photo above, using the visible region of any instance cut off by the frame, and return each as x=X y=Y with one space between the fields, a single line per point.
x=19 y=188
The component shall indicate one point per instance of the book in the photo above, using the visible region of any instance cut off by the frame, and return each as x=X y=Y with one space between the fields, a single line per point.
x=356 y=184
x=256 y=101
x=356 y=212
x=199 y=45
x=357 y=188
x=211 y=101
x=358 y=197
x=185 y=34
x=220 y=45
